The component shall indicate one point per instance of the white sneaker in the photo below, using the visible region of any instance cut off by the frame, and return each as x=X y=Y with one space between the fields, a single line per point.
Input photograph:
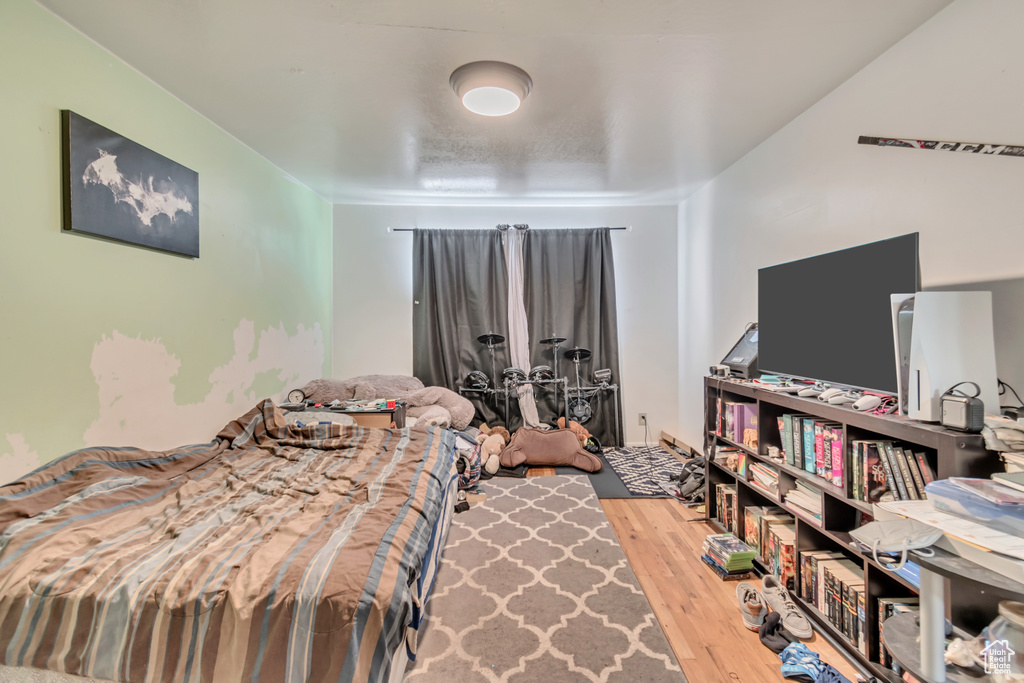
x=752 y=605
x=778 y=599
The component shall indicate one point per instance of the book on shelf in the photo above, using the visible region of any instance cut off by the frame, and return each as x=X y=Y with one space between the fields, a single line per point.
x=787 y=450
x=765 y=478
x=904 y=469
x=807 y=447
x=894 y=470
x=837 y=457
x=915 y=471
x=767 y=521
x=740 y=423
x=725 y=505
x=806 y=499
x=784 y=562
x=747 y=433
x=875 y=486
x=887 y=607
x=809 y=573
x=754 y=522
x=926 y=471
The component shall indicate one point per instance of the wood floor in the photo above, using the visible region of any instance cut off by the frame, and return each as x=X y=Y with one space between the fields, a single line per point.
x=696 y=609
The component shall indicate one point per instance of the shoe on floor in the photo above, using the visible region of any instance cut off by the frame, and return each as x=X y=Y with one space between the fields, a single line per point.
x=779 y=601
x=752 y=605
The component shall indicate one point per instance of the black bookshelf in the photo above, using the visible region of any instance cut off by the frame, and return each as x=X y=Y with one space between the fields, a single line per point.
x=950 y=453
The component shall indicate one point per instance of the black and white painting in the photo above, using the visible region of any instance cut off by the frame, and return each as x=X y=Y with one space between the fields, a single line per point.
x=117 y=188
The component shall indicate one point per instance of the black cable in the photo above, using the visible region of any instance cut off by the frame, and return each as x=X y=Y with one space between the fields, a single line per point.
x=1003 y=386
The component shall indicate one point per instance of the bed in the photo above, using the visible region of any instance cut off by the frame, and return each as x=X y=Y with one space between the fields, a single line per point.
x=277 y=552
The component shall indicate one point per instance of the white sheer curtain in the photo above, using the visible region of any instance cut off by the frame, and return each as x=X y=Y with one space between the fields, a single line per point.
x=518 y=330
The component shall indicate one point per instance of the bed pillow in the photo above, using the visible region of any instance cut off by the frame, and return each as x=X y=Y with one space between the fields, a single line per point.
x=380 y=386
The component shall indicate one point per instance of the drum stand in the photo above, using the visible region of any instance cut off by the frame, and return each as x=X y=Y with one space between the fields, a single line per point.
x=491 y=340
x=579 y=406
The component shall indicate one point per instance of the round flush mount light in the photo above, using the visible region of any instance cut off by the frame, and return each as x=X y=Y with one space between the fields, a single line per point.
x=491 y=88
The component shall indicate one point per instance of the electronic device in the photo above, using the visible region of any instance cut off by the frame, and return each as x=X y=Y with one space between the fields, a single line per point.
x=845 y=398
x=720 y=370
x=811 y=391
x=867 y=402
x=827 y=394
x=962 y=412
x=836 y=329
x=296 y=396
x=902 y=334
x=742 y=358
x=953 y=341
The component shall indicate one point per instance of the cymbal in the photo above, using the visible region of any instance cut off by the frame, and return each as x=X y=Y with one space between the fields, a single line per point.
x=490 y=338
x=552 y=341
x=578 y=353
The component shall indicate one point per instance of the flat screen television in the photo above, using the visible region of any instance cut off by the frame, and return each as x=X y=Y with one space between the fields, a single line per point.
x=829 y=317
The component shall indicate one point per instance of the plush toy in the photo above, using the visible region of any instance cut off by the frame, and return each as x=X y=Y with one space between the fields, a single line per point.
x=492 y=445
x=430 y=416
x=576 y=428
x=485 y=431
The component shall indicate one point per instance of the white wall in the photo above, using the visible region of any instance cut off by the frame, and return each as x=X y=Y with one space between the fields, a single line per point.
x=373 y=292
x=811 y=188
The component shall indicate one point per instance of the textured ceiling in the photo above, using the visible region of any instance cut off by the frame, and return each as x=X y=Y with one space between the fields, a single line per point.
x=639 y=101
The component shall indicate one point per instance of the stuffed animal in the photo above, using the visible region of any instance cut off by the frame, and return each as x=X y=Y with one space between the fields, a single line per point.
x=576 y=428
x=430 y=416
x=490 y=449
x=487 y=431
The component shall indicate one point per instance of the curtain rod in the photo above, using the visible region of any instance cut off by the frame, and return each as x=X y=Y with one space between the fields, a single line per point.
x=604 y=227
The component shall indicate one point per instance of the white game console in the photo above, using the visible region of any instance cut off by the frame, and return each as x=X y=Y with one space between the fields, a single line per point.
x=951 y=341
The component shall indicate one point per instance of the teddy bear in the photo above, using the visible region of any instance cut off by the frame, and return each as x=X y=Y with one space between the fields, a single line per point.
x=492 y=442
x=587 y=439
x=576 y=428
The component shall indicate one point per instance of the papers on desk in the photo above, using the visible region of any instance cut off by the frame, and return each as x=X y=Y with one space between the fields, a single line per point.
x=1001 y=552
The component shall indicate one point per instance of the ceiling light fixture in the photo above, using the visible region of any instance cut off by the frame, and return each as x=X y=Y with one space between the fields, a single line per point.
x=491 y=88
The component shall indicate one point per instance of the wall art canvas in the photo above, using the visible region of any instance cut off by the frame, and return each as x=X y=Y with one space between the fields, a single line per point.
x=118 y=189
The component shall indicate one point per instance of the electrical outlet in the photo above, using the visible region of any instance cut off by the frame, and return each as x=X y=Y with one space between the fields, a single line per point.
x=643 y=419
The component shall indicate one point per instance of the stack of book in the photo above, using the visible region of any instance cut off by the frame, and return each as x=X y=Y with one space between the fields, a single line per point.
x=806 y=499
x=737 y=421
x=780 y=553
x=835 y=586
x=764 y=478
x=814 y=445
x=725 y=505
x=756 y=522
x=886 y=608
x=728 y=556
x=884 y=470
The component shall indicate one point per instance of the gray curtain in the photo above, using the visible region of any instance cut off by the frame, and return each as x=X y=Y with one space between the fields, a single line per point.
x=460 y=291
x=570 y=292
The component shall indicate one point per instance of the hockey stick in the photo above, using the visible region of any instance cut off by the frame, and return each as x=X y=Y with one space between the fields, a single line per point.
x=973 y=147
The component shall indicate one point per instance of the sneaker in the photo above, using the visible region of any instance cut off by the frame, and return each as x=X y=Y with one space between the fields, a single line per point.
x=778 y=599
x=752 y=605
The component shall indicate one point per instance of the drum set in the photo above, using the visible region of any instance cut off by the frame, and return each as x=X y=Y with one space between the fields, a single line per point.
x=576 y=400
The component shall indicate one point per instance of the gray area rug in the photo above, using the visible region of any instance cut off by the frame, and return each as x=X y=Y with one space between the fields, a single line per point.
x=535 y=587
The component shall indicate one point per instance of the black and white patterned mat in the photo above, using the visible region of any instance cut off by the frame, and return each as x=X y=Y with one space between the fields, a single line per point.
x=640 y=467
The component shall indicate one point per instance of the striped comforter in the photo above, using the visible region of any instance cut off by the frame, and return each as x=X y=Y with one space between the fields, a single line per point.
x=274 y=553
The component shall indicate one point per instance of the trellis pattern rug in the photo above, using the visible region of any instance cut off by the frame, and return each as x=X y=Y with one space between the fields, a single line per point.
x=534 y=587
x=639 y=467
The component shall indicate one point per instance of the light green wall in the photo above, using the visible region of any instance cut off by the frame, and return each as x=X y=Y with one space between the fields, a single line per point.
x=265 y=245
